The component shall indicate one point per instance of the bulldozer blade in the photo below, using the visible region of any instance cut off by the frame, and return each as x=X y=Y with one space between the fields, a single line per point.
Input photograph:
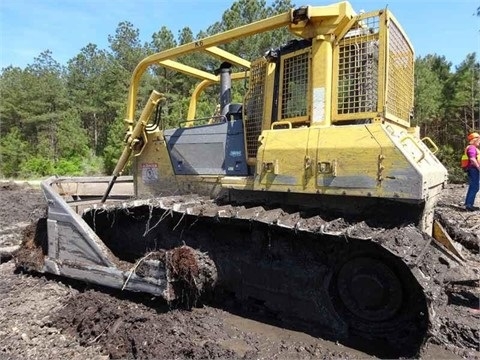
x=442 y=236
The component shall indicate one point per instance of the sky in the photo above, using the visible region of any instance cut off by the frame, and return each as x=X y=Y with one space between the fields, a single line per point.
x=29 y=27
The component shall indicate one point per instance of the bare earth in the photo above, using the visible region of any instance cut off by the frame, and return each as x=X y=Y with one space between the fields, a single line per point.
x=43 y=317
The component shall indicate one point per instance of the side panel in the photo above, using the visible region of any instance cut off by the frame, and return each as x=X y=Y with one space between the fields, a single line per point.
x=191 y=159
x=347 y=160
x=371 y=160
x=282 y=159
x=208 y=150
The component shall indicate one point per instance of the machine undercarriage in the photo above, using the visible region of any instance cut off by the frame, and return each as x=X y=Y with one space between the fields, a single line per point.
x=348 y=279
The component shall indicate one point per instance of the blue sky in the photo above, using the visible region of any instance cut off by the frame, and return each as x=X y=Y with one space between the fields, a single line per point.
x=28 y=27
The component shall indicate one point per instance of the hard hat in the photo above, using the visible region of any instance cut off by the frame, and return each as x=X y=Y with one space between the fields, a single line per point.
x=472 y=136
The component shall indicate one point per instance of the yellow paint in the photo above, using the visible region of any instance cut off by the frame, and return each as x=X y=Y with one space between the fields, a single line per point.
x=268 y=100
x=155 y=156
x=334 y=146
x=362 y=160
x=322 y=63
x=442 y=236
x=286 y=150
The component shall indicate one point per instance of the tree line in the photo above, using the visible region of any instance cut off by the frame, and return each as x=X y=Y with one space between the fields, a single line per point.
x=68 y=119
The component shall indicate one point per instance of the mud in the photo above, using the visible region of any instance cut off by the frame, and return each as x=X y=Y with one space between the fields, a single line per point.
x=21 y=202
x=21 y=205
x=47 y=317
x=463 y=226
x=34 y=246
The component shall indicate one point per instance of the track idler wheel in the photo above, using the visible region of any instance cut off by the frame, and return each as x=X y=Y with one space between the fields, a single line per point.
x=381 y=302
x=369 y=289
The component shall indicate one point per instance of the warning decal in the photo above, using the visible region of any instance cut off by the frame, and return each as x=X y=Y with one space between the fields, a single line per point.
x=149 y=172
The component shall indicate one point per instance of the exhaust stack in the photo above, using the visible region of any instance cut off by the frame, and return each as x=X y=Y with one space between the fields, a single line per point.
x=225 y=72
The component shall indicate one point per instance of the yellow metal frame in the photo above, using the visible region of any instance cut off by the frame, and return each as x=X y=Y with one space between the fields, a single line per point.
x=268 y=102
x=259 y=66
x=327 y=27
x=208 y=45
x=404 y=121
x=297 y=119
x=382 y=111
x=336 y=116
x=382 y=72
x=201 y=86
x=311 y=22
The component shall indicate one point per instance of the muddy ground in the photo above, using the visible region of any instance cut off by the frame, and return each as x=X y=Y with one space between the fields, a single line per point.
x=43 y=317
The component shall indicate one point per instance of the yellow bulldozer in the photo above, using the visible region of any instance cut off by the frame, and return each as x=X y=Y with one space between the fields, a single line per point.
x=313 y=197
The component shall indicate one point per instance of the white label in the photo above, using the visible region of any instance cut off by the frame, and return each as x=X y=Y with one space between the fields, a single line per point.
x=149 y=173
x=318 y=112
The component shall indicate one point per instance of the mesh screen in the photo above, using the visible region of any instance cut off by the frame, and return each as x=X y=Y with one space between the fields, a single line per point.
x=295 y=86
x=358 y=68
x=254 y=106
x=400 y=72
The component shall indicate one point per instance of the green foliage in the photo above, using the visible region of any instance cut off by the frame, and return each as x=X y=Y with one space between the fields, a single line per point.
x=450 y=158
x=90 y=93
x=71 y=166
x=14 y=98
x=79 y=166
x=162 y=40
x=447 y=106
x=465 y=99
x=428 y=92
x=126 y=47
x=92 y=165
x=115 y=145
x=244 y=12
x=13 y=153
x=69 y=120
x=37 y=166
x=71 y=137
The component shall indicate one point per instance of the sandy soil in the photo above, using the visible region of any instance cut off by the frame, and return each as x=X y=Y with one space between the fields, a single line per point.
x=44 y=317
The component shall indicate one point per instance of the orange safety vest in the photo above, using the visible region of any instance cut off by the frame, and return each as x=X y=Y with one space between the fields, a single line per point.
x=465 y=161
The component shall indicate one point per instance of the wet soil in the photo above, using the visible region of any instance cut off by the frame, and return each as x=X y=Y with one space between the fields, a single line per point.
x=21 y=202
x=47 y=317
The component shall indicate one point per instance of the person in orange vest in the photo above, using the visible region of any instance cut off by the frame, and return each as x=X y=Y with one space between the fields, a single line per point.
x=473 y=170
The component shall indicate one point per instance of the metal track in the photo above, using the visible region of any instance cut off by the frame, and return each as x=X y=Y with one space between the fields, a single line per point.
x=345 y=279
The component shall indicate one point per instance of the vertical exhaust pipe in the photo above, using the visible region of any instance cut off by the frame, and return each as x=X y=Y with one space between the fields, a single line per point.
x=225 y=72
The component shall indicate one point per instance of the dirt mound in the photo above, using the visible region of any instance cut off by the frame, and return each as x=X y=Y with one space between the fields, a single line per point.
x=11 y=185
x=30 y=256
x=126 y=329
x=26 y=305
x=21 y=205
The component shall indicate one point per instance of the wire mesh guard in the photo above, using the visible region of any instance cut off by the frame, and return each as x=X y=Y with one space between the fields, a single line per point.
x=358 y=68
x=294 y=86
x=254 y=106
x=400 y=73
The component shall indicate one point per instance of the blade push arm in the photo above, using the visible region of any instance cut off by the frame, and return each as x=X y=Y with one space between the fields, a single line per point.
x=133 y=138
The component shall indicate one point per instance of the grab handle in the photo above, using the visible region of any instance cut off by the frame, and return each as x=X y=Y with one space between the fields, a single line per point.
x=432 y=144
x=281 y=123
x=422 y=151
